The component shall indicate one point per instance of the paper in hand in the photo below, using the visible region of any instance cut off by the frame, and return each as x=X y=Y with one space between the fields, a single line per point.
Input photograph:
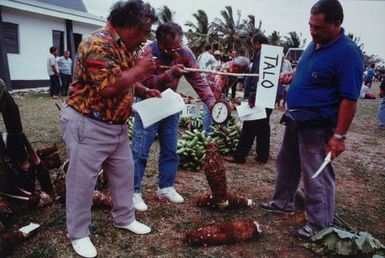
x=153 y=110
x=246 y=113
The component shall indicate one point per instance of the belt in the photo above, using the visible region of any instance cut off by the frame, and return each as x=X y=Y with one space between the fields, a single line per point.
x=93 y=117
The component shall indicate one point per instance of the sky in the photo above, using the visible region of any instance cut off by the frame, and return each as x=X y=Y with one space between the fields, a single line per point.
x=363 y=18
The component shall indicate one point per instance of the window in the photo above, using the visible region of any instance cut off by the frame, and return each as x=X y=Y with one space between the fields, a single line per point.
x=58 y=41
x=11 y=37
x=77 y=39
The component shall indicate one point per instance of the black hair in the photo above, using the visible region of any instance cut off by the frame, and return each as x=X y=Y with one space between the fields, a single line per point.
x=372 y=65
x=208 y=47
x=260 y=38
x=131 y=13
x=52 y=49
x=168 y=29
x=332 y=9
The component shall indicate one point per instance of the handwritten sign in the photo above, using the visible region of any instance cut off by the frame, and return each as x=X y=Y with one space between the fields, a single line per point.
x=269 y=69
x=191 y=110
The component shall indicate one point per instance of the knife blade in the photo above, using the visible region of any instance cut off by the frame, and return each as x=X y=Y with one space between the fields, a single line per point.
x=326 y=161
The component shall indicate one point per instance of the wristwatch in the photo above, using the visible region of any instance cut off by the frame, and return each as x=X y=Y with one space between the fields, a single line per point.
x=339 y=136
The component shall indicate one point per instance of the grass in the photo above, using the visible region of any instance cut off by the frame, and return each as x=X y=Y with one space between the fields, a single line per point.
x=360 y=195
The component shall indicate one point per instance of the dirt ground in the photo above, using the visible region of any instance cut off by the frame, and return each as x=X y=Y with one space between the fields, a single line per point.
x=360 y=198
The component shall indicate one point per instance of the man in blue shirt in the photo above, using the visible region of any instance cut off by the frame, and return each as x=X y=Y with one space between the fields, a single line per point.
x=65 y=69
x=321 y=106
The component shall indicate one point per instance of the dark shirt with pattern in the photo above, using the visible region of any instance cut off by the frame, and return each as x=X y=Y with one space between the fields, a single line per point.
x=218 y=82
x=99 y=64
x=162 y=80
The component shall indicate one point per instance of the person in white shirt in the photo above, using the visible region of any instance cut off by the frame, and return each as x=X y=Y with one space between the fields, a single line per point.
x=53 y=73
x=218 y=57
x=206 y=60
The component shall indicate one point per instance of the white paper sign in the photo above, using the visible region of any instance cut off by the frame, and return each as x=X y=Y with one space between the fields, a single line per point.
x=269 y=69
x=191 y=110
x=155 y=109
x=245 y=113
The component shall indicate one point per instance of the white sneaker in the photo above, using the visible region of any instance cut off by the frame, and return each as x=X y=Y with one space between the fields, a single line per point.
x=171 y=194
x=139 y=204
x=84 y=247
x=136 y=227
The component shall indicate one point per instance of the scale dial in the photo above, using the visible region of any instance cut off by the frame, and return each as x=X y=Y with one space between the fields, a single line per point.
x=221 y=112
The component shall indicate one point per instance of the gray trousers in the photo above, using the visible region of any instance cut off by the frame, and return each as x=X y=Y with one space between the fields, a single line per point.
x=92 y=145
x=301 y=154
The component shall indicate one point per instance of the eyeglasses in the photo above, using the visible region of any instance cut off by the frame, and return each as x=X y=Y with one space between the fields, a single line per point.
x=171 y=50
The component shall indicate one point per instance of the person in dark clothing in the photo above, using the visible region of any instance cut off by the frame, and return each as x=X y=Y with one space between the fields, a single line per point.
x=255 y=129
x=22 y=165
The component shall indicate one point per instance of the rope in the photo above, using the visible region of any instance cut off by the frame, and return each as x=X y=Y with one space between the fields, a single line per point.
x=213 y=72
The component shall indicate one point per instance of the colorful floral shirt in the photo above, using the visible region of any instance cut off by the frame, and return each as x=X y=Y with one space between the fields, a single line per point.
x=100 y=61
x=219 y=82
x=162 y=79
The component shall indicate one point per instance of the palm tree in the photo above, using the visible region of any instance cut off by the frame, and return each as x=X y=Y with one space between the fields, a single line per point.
x=248 y=30
x=357 y=40
x=293 y=41
x=230 y=31
x=198 y=35
x=275 y=38
x=165 y=15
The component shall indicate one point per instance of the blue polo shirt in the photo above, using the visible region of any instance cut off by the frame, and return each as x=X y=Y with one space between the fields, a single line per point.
x=326 y=76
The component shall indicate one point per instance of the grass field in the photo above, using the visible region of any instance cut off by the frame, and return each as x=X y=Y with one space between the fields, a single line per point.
x=360 y=198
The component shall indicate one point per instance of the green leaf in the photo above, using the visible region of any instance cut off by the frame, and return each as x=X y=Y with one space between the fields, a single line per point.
x=345 y=247
x=331 y=241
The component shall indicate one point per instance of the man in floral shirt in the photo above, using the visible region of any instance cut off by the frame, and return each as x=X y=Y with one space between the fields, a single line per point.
x=93 y=120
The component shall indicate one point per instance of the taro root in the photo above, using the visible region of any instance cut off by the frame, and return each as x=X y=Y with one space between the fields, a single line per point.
x=216 y=175
x=235 y=201
x=226 y=233
x=47 y=150
x=50 y=156
x=99 y=199
x=40 y=199
x=59 y=183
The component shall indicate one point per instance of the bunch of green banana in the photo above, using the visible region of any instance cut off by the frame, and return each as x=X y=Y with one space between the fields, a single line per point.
x=192 y=149
x=183 y=122
x=227 y=138
x=130 y=126
x=197 y=122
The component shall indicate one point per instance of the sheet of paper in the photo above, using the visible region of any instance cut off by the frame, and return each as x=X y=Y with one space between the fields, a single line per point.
x=245 y=113
x=155 y=109
x=29 y=228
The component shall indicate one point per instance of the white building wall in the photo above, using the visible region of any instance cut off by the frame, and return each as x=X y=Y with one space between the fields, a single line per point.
x=35 y=39
x=84 y=29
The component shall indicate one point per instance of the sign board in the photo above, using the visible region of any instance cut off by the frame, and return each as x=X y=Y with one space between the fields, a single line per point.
x=191 y=110
x=269 y=70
